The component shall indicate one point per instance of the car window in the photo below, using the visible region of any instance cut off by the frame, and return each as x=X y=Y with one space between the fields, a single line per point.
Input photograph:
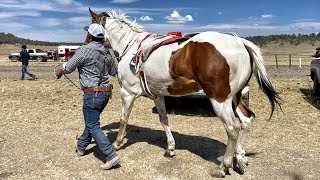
x=39 y=51
x=30 y=51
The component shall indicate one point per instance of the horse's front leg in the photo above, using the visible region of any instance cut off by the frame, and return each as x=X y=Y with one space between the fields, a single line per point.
x=161 y=108
x=127 y=104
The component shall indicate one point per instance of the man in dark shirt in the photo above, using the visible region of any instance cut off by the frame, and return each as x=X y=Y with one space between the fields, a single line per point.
x=24 y=57
x=94 y=65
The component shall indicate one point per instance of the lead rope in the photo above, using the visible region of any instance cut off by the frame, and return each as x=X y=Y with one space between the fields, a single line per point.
x=72 y=82
x=54 y=75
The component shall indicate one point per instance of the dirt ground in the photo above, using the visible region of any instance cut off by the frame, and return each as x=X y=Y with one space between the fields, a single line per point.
x=40 y=119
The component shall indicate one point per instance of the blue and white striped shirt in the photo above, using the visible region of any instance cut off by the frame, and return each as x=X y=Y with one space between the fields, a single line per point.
x=94 y=64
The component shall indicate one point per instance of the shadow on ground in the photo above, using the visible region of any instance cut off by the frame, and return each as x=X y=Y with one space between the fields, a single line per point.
x=206 y=148
x=313 y=100
x=188 y=106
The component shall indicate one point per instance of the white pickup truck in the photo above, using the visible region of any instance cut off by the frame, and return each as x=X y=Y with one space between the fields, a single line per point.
x=35 y=54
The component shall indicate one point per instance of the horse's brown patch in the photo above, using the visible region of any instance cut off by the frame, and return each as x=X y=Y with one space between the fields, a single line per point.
x=198 y=65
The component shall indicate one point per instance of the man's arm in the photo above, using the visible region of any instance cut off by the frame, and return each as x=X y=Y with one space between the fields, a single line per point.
x=69 y=66
x=21 y=56
x=75 y=61
x=113 y=67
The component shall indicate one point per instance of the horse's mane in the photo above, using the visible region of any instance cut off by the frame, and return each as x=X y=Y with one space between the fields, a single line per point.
x=121 y=17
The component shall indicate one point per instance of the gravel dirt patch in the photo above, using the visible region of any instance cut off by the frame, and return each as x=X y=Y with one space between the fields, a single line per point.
x=40 y=119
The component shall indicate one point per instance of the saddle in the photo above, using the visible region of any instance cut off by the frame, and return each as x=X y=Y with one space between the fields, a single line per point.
x=146 y=49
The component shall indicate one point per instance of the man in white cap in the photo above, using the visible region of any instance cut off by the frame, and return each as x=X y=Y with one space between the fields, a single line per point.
x=94 y=64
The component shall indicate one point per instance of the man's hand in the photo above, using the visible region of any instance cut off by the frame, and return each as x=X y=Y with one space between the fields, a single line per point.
x=59 y=73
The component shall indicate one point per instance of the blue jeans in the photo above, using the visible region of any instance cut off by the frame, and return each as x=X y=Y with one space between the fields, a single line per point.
x=93 y=105
x=25 y=71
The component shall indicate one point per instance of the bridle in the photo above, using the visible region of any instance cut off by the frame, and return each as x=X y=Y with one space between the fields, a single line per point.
x=130 y=43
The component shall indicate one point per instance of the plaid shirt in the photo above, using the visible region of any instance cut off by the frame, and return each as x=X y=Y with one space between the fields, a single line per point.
x=94 y=64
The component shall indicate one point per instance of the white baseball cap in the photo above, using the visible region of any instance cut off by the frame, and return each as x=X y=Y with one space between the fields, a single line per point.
x=95 y=30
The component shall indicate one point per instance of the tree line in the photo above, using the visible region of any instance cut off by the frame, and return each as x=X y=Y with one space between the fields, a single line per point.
x=293 y=39
x=7 y=38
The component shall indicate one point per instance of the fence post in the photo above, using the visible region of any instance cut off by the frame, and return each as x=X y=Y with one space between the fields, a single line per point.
x=276 y=61
x=300 y=63
x=289 y=60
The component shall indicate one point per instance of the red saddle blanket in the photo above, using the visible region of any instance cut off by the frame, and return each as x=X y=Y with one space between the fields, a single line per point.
x=173 y=39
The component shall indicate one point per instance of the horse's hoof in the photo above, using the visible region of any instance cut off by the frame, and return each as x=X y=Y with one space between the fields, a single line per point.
x=218 y=173
x=169 y=154
x=117 y=145
x=242 y=166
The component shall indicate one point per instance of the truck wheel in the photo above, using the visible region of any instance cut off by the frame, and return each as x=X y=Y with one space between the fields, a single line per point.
x=39 y=59
x=14 y=58
x=316 y=86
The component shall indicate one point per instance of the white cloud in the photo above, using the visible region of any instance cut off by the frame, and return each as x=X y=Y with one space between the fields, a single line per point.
x=267 y=16
x=9 y=1
x=243 y=29
x=80 y=19
x=124 y=1
x=175 y=17
x=219 y=13
x=146 y=18
x=17 y=14
x=50 y=22
x=12 y=27
x=64 y=2
x=50 y=5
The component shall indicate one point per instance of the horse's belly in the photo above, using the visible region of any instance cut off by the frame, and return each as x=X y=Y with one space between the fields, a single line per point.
x=173 y=88
x=183 y=86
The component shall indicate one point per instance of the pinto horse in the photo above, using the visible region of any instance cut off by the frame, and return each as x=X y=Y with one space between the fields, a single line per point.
x=218 y=63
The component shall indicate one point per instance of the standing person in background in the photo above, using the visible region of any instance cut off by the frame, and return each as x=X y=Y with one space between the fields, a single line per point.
x=55 y=55
x=24 y=57
x=94 y=64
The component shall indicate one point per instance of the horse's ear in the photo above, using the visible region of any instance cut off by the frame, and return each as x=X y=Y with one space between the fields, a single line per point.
x=93 y=15
x=103 y=21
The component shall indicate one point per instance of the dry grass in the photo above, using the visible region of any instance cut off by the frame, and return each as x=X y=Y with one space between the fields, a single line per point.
x=39 y=120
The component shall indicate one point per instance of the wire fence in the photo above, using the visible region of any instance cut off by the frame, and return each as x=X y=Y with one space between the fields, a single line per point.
x=287 y=60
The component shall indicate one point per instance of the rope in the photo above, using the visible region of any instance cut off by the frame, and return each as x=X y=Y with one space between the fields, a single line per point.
x=55 y=76
x=72 y=82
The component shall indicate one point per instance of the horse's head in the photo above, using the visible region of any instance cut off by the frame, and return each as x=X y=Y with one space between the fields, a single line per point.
x=120 y=32
x=99 y=19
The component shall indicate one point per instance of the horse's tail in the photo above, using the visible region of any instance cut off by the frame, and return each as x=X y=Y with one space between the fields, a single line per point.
x=261 y=74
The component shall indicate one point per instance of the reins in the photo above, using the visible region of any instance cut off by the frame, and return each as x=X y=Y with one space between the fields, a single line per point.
x=127 y=48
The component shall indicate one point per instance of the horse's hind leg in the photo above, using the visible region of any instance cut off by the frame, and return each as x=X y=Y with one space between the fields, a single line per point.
x=232 y=125
x=246 y=117
x=127 y=104
x=161 y=108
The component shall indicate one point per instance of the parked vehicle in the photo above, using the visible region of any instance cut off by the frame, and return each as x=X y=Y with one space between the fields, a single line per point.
x=66 y=52
x=35 y=54
x=315 y=73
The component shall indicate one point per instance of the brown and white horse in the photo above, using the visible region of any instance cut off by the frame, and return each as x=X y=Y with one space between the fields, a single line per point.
x=220 y=64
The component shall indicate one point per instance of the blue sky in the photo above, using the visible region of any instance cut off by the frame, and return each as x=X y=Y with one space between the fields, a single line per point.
x=63 y=20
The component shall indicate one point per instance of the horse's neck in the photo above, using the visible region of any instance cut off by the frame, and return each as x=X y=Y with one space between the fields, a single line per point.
x=132 y=43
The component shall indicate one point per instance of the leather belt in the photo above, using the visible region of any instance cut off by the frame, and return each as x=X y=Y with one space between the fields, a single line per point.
x=99 y=89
